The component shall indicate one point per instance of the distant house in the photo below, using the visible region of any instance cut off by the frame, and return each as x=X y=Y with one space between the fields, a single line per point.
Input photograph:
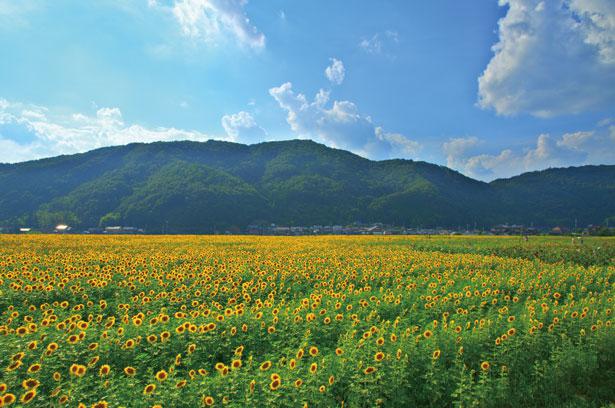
x=117 y=229
x=255 y=229
x=375 y=230
x=25 y=230
x=505 y=229
x=113 y=230
x=281 y=230
x=62 y=228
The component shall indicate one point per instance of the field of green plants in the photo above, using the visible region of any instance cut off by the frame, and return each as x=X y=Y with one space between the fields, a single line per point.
x=188 y=321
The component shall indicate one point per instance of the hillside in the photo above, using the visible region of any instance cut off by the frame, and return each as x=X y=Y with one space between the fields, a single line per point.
x=201 y=187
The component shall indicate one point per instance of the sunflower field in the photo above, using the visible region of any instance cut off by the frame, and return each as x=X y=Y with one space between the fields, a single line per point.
x=365 y=321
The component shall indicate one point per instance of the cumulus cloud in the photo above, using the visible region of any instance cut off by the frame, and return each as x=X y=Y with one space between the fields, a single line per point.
x=552 y=58
x=339 y=124
x=570 y=149
x=241 y=127
x=31 y=132
x=335 y=72
x=213 y=21
x=456 y=148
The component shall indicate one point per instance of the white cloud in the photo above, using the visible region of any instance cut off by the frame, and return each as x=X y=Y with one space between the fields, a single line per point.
x=575 y=141
x=43 y=133
x=335 y=72
x=405 y=146
x=241 y=127
x=14 y=13
x=552 y=58
x=379 y=41
x=339 y=124
x=455 y=150
x=212 y=21
x=571 y=149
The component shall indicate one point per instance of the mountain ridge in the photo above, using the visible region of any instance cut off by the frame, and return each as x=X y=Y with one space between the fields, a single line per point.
x=192 y=186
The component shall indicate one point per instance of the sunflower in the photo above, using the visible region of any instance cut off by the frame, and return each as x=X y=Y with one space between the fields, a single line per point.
x=149 y=388
x=275 y=384
x=427 y=334
x=130 y=371
x=298 y=382
x=30 y=383
x=28 y=396
x=339 y=351
x=162 y=375
x=34 y=368
x=236 y=364
x=313 y=351
x=73 y=369
x=313 y=368
x=14 y=365
x=265 y=366
x=436 y=354
x=292 y=363
x=8 y=399
x=208 y=400
x=369 y=370
x=379 y=356
x=485 y=366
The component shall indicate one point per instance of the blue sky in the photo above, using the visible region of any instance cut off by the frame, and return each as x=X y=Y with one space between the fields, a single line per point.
x=489 y=88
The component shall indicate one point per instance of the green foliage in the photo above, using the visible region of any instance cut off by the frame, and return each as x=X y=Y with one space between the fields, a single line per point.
x=156 y=186
x=435 y=328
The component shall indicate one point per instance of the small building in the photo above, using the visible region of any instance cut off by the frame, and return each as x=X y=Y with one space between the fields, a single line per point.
x=117 y=229
x=62 y=229
x=25 y=230
x=505 y=229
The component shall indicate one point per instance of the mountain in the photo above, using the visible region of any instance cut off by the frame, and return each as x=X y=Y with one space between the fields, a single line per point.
x=191 y=187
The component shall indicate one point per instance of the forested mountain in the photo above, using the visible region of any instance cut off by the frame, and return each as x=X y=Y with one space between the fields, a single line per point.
x=201 y=187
